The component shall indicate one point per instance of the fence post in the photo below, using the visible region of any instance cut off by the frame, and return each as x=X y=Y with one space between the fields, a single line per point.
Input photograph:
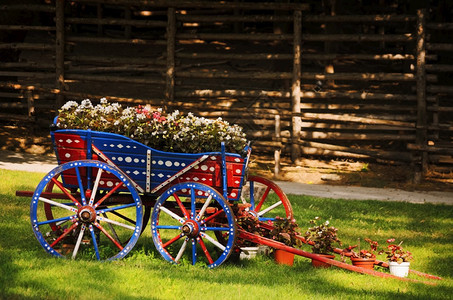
x=127 y=28
x=421 y=126
x=171 y=37
x=30 y=105
x=99 y=13
x=278 y=150
x=59 y=50
x=295 y=89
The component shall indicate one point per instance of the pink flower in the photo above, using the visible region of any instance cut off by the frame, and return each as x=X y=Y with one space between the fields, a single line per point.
x=390 y=241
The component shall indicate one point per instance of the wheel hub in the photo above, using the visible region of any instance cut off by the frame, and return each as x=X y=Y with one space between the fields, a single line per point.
x=87 y=214
x=190 y=228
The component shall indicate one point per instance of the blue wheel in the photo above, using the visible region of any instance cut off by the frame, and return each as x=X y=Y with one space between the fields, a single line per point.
x=184 y=223
x=86 y=210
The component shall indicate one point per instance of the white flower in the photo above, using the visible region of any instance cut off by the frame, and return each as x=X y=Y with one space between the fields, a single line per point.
x=104 y=100
x=68 y=105
x=87 y=103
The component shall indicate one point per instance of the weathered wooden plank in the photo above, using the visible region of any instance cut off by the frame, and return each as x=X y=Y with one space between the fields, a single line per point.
x=122 y=22
x=439 y=26
x=304 y=75
x=106 y=40
x=27 y=7
x=439 y=47
x=359 y=18
x=27 y=74
x=234 y=18
x=143 y=61
x=119 y=79
x=206 y=4
x=27 y=46
x=27 y=27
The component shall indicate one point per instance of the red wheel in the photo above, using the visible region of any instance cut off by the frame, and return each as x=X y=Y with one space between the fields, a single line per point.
x=266 y=198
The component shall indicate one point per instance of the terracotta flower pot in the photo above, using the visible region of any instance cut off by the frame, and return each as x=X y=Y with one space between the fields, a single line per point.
x=319 y=264
x=283 y=257
x=367 y=263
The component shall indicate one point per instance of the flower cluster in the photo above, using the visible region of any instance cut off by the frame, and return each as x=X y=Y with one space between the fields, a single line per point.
x=396 y=253
x=363 y=253
x=173 y=132
x=322 y=236
x=286 y=231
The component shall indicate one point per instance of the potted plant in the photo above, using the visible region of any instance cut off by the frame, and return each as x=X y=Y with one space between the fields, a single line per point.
x=285 y=231
x=250 y=223
x=362 y=257
x=399 y=259
x=322 y=237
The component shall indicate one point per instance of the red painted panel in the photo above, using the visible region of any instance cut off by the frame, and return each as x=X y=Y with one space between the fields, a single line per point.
x=70 y=141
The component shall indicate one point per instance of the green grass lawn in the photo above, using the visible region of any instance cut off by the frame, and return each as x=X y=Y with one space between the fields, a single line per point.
x=28 y=272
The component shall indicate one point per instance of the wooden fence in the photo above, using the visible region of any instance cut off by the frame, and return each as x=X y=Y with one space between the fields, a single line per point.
x=301 y=83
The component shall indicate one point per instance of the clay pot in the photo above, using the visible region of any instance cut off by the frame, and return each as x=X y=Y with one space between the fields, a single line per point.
x=319 y=264
x=366 y=263
x=283 y=257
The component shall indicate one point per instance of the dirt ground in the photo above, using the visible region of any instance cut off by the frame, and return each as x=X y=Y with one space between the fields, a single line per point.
x=23 y=138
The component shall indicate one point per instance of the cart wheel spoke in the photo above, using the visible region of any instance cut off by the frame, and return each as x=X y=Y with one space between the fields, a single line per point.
x=181 y=206
x=209 y=212
x=79 y=241
x=114 y=212
x=102 y=229
x=263 y=198
x=181 y=250
x=205 y=250
x=213 y=241
x=112 y=229
x=95 y=243
x=95 y=187
x=62 y=188
x=58 y=221
x=109 y=221
x=203 y=209
x=108 y=195
x=194 y=251
x=272 y=201
x=172 y=214
x=81 y=188
x=72 y=224
x=270 y=208
x=172 y=241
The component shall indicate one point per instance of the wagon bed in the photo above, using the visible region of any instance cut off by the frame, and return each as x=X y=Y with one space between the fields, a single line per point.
x=149 y=169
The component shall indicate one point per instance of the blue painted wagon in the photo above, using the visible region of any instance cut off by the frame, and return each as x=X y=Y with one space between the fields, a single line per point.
x=106 y=188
